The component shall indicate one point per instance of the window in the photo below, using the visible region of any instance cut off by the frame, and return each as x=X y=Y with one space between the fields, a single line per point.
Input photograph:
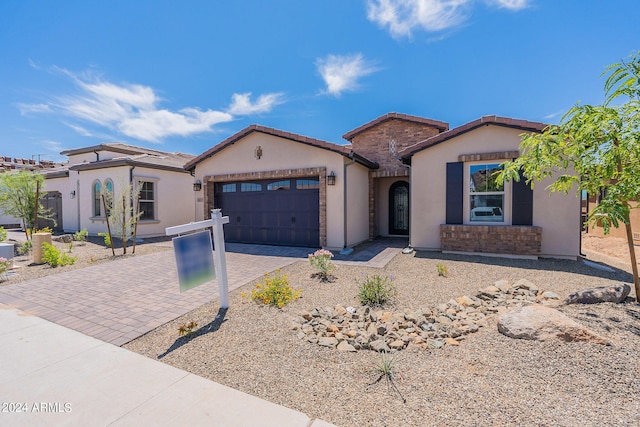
x=486 y=195
x=97 y=201
x=250 y=186
x=279 y=185
x=227 y=188
x=108 y=198
x=307 y=184
x=147 y=200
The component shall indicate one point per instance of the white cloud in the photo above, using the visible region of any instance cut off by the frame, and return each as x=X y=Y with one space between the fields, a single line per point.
x=241 y=103
x=341 y=73
x=33 y=108
x=133 y=109
x=53 y=146
x=511 y=4
x=403 y=17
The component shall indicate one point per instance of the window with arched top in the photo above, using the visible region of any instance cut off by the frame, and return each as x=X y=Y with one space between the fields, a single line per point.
x=108 y=198
x=96 y=193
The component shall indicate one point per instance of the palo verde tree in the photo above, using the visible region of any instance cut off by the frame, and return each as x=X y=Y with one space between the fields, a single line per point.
x=20 y=195
x=596 y=149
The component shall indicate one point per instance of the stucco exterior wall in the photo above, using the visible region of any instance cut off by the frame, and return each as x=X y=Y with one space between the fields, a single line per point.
x=558 y=215
x=357 y=204
x=175 y=203
x=282 y=154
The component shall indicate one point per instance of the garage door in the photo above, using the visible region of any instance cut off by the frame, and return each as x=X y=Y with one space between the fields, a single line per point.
x=273 y=212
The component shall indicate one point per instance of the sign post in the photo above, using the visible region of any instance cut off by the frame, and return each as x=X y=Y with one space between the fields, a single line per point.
x=215 y=223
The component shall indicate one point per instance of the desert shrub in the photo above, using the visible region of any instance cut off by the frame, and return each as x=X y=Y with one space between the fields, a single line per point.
x=187 y=328
x=3 y=234
x=54 y=256
x=107 y=239
x=442 y=270
x=275 y=290
x=5 y=265
x=321 y=260
x=25 y=247
x=81 y=236
x=376 y=290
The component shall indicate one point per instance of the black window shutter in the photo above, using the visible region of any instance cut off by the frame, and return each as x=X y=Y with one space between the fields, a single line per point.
x=455 y=192
x=521 y=202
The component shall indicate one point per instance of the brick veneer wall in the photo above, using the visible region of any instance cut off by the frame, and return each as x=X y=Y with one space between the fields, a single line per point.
x=373 y=143
x=495 y=239
x=320 y=172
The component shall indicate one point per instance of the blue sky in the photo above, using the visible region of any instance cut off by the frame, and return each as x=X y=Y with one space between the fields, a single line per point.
x=185 y=75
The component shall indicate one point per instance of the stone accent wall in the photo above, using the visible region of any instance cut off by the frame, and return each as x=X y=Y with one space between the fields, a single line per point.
x=320 y=172
x=373 y=143
x=495 y=239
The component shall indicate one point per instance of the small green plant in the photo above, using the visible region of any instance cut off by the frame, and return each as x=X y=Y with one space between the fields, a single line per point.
x=376 y=290
x=54 y=256
x=81 y=236
x=107 y=239
x=275 y=290
x=3 y=234
x=442 y=270
x=25 y=247
x=187 y=328
x=386 y=368
x=5 y=265
x=321 y=260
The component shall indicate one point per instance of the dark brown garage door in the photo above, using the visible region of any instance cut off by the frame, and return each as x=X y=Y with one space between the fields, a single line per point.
x=273 y=212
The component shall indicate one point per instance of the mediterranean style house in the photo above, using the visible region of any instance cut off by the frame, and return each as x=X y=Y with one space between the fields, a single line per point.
x=400 y=175
x=166 y=195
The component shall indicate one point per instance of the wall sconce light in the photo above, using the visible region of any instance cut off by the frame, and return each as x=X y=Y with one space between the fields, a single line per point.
x=331 y=178
x=197 y=186
x=73 y=194
x=258 y=152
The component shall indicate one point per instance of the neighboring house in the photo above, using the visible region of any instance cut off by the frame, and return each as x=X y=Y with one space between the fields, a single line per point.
x=620 y=232
x=455 y=208
x=50 y=201
x=283 y=188
x=166 y=189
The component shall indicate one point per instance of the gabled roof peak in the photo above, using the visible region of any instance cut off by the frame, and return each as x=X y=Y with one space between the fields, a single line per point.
x=441 y=126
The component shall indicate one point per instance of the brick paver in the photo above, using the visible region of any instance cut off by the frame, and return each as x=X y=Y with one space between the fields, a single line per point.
x=121 y=300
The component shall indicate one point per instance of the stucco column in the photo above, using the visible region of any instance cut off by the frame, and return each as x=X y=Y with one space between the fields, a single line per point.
x=37 y=239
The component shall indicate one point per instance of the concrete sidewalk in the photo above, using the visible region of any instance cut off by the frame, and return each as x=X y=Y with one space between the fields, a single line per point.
x=54 y=376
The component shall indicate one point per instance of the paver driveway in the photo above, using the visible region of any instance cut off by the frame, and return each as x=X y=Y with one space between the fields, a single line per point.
x=121 y=300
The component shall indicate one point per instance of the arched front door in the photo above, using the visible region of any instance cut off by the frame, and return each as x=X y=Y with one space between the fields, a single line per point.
x=399 y=208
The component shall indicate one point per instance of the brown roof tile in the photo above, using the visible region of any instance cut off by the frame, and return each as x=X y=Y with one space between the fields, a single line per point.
x=524 y=125
x=442 y=126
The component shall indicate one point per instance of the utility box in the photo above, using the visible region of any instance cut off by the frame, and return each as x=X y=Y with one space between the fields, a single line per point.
x=6 y=250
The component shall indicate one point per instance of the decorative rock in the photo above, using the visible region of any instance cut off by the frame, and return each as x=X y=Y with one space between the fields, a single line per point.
x=386 y=316
x=333 y=328
x=306 y=315
x=537 y=322
x=64 y=238
x=614 y=294
x=435 y=343
x=345 y=346
x=327 y=342
x=451 y=341
x=502 y=285
x=379 y=345
x=550 y=295
x=397 y=345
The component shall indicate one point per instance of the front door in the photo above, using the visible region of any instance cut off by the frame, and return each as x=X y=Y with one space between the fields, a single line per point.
x=399 y=208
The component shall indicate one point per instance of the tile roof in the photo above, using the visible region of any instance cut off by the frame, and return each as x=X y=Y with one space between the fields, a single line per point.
x=340 y=149
x=442 y=126
x=524 y=125
x=166 y=161
x=116 y=147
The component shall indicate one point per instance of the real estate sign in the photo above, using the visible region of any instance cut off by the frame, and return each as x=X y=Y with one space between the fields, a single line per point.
x=194 y=259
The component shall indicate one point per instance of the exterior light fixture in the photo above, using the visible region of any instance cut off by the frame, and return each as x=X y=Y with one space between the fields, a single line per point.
x=72 y=194
x=197 y=186
x=331 y=178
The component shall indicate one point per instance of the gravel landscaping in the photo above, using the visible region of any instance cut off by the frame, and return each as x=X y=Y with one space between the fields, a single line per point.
x=488 y=379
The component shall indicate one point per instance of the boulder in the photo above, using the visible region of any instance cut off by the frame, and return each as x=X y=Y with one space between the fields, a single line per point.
x=542 y=323
x=615 y=294
x=345 y=346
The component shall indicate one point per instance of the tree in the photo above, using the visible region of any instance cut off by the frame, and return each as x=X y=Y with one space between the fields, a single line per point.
x=123 y=214
x=18 y=194
x=594 y=148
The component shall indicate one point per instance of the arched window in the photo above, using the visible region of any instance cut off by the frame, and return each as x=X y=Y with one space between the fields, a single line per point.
x=108 y=188
x=97 y=188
